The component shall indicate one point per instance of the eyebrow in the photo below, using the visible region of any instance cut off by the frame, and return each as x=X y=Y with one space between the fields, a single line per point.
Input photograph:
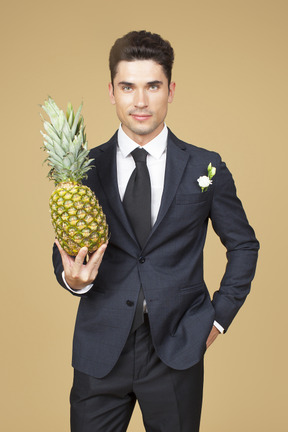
x=155 y=82
x=127 y=83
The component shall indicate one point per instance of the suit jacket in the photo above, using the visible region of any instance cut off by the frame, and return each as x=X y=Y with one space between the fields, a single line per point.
x=170 y=265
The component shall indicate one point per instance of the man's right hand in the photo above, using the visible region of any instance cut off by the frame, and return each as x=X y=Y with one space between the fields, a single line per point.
x=78 y=275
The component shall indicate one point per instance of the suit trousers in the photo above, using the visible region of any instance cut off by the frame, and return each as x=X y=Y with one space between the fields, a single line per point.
x=170 y=400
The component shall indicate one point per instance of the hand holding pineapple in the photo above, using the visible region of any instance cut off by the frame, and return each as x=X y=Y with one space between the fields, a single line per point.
x=78 y=275
x=77 y=217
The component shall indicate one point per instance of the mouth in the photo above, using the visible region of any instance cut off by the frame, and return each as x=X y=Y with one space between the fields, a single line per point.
x=141 y=117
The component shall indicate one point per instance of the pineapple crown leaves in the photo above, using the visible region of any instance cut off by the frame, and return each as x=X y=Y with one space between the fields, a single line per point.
x=65 y=143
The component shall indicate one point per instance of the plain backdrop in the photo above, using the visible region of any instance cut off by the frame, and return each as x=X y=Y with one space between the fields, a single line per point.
x=231 y=97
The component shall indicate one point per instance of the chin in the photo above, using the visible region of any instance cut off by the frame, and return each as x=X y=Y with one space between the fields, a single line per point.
x=143 y=130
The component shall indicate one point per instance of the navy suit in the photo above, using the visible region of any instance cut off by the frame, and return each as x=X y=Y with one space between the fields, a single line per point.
x=169 y=267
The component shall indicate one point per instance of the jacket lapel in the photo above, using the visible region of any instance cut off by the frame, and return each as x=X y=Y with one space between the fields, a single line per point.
x=107 y=174
x=176 y=162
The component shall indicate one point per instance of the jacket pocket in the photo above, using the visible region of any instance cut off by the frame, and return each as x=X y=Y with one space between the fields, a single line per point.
x=195 y=198
x=192 y=288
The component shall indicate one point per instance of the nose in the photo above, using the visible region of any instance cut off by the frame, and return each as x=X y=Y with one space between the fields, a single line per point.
x=140 y=99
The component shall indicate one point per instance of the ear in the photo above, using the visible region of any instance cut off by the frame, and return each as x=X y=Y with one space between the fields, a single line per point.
x=172 y=87
x=111 y=93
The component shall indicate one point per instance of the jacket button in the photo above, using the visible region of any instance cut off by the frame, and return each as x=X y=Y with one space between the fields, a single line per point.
x=141 y=260
x=129 y=303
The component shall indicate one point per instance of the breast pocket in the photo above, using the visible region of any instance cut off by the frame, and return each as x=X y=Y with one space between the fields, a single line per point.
x=195 y=198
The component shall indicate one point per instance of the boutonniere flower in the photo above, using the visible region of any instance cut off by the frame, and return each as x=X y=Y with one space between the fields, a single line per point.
x=206 y=181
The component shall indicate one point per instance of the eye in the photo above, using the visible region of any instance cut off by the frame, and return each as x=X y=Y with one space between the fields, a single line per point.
x=154 y=87
x=127 y=88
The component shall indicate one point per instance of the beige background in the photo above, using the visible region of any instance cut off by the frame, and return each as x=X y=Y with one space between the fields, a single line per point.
x=231 y=74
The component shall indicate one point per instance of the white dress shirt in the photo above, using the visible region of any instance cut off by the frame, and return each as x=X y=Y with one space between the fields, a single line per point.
x=156 y=162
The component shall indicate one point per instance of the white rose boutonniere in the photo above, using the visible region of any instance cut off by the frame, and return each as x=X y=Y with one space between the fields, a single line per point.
x=205 y=181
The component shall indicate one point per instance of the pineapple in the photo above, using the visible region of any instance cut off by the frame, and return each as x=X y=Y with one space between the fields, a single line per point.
x=76 y=215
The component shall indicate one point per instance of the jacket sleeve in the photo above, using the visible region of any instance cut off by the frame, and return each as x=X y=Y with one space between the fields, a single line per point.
x=231 y=225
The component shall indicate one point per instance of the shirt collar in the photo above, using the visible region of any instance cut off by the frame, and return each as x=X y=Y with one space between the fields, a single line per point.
x=155 y=147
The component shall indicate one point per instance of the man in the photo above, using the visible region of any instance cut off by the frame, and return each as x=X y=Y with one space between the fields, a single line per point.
x=145 y=318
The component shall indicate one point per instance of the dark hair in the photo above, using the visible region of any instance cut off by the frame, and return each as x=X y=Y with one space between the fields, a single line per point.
x=142 y=45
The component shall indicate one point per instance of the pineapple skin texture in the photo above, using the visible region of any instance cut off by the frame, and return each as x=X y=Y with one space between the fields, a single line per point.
x=77 y=218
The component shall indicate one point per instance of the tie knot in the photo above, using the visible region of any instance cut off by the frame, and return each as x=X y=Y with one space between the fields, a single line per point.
x=139 y=155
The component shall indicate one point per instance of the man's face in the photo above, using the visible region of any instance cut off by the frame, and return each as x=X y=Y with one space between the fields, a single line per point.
x=141 y=96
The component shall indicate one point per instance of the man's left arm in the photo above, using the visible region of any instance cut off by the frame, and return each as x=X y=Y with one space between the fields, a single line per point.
x=230 y=223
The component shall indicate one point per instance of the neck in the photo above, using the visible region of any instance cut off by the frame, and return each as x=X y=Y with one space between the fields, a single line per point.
x=145 y=138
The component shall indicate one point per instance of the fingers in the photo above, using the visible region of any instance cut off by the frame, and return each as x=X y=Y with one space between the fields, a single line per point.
x=58 y=245
x=83 y=252
x=80 y=257
x=96 y=258
x=62 y=252
x=212 y=336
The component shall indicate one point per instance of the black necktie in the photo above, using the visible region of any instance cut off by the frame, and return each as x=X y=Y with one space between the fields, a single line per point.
x=137 y=204
x=137 y=197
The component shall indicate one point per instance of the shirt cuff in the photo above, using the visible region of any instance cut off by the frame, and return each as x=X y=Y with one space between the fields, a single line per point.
x=218 y=326
x=80 y=291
